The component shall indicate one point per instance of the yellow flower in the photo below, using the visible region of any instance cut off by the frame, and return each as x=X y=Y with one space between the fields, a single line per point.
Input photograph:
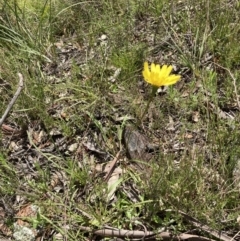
x=158 y=76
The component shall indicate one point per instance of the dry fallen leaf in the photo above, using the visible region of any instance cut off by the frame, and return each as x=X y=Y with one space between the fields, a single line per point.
x=195 y=116
x=28 y=211
x=170 y=126
x=4 y=229
x=113 y=182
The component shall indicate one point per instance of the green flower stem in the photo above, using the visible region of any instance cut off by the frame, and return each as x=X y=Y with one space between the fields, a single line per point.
x=154 y=91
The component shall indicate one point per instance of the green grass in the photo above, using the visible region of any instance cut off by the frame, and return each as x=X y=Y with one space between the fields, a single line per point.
x=66 y=104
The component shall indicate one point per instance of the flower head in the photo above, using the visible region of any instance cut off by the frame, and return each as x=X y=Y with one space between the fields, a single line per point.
x=159 y=76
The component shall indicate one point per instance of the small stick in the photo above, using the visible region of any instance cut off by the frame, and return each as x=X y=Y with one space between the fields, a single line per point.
x=112 y=164
x=145 y=235
x=235 y=236
x=10 y=105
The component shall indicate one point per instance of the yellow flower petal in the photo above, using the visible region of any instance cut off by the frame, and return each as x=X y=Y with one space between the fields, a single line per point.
x=146 y=68
x=159 y=76
x=172 y=79
x=164 y=69
x=168 y=70
x=153 y=68
x=146 y=73
x=158 y=69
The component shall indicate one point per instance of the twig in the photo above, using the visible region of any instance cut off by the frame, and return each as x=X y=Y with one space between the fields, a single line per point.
x=217 y=234
x=112 y=164
x=236 y=235
x=10 y=105
x=144 y=235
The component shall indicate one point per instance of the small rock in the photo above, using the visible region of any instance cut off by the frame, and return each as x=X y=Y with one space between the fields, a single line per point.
x=103 y=37
x=23 y=233
x=73 y=147
x=137 y=145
